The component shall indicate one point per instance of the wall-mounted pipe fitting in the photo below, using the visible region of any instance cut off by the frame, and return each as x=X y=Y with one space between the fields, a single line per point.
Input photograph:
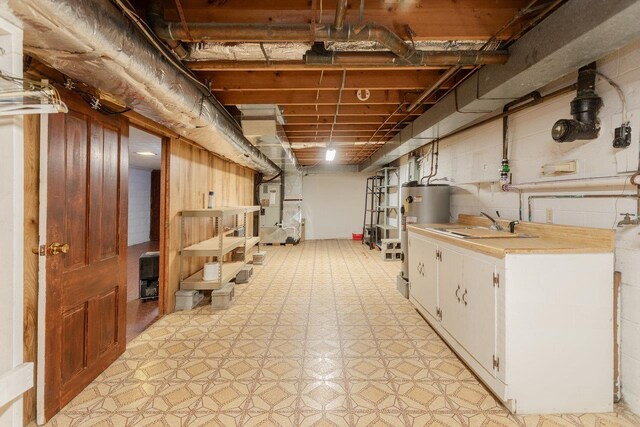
x=505 y=169
x=584 y=109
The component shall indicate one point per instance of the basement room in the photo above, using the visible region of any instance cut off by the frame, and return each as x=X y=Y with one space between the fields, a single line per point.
x=320 y=213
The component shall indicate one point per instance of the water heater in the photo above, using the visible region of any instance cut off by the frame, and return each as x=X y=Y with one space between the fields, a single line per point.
x=420 y=204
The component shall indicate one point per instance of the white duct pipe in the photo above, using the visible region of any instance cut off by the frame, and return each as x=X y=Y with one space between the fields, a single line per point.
x=92 y=41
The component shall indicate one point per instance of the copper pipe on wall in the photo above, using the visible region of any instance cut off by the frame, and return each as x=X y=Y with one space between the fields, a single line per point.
x=341 y=13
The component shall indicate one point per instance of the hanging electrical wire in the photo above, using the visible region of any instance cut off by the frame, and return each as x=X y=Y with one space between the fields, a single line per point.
x=618 y=89
x=89 y=96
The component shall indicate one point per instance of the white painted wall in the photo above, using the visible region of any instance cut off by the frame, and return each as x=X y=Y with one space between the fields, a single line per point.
x=475 y=156
x=15 y=377
x=333 y=204
x=139 y=205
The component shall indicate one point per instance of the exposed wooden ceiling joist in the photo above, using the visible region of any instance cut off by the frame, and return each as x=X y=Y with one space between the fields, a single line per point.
x=352 y=120
x=336 y=134
x=430 y=20
x=292 y=129
x=325 y=97
x=344 y=139
x=346 y=110
x=307 y=95
x=314 y=80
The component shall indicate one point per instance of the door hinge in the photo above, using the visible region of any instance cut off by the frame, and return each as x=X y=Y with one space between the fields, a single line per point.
x=496 y=363
x=496 y=280
x=438 y=255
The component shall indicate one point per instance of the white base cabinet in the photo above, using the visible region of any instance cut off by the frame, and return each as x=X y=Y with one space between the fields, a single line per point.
x=536 y=328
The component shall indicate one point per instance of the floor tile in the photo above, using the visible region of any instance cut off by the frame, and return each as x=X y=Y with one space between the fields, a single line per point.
x=319 y=337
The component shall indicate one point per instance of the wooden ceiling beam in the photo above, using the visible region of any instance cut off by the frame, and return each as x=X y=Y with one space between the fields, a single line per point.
x=312 y=81
x=293 y=129
x=337 y=134
x=341 y=139
x=431 y=20
x=352 y=120
x=346 y=110
x=319 y=156
x=325 y=97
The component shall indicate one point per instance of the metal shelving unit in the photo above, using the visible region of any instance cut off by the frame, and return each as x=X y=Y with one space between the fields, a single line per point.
x=372 y=211
x=222 y=242
x=387 y=189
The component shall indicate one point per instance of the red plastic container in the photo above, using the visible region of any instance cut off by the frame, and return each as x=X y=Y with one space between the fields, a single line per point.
x=357 y=236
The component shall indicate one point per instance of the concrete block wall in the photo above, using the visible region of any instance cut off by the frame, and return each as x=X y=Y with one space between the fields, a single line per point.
x=474 y=157
x=139 y=206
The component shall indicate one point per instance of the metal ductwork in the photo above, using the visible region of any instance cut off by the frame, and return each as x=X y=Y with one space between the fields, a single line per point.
x=92 y=41
x=598 y=27
x=419 y=58
x=252 y=53
x=338 y=32
x=262 y=125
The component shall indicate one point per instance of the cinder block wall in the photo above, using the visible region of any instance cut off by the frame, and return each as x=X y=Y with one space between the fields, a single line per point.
x=475 y=155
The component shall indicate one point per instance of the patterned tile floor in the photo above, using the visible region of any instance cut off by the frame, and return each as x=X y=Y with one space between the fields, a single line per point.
x=320 y=337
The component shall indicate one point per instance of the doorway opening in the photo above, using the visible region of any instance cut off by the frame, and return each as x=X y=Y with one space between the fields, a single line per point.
x=144 y=286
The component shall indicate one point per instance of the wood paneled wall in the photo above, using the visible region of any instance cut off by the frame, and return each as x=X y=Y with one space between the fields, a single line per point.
x=193 y=172
x=31 y=224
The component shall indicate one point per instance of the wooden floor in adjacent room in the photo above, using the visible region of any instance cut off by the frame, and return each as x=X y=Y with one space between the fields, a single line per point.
x=140 y=314
x=320 y=336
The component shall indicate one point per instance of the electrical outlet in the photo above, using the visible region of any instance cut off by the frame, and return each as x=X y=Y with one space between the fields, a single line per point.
x=549 y=216
x=627 y=158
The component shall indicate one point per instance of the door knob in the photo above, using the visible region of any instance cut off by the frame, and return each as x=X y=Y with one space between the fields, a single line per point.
x=58 y=248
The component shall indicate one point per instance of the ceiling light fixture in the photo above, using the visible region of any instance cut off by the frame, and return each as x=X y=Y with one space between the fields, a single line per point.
x=146 y=153
x=331 y=154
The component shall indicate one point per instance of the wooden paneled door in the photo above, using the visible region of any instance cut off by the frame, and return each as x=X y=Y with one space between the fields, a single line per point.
x=87 y=163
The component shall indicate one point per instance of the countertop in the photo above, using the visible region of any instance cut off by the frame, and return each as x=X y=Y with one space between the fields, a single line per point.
x=550 y=238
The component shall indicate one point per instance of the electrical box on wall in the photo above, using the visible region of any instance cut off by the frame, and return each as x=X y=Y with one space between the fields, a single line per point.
x=626 y=156
x=563 y=168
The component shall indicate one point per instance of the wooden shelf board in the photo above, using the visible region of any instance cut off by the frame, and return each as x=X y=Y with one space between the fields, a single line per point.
x=253 y=208
x=229 y=271
x=211 y=247
x=251 y=242
x=218 y=212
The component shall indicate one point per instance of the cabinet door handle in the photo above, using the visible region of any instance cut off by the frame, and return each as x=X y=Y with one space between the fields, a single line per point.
x=458 y=296
x=464 y=295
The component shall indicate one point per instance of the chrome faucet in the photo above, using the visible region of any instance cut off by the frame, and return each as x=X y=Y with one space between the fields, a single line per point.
x=496 y=225
x=627 y=220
